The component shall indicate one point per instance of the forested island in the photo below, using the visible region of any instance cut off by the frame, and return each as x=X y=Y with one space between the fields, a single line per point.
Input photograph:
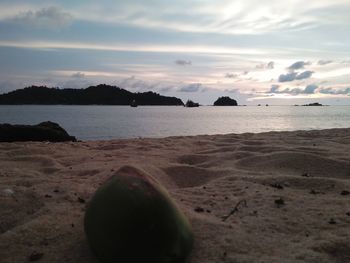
x=94 y=95
x=225 y=101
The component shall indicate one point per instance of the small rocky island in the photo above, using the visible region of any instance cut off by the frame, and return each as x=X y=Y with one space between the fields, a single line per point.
x=191 y=104
x=313 y=104
x=225 y=101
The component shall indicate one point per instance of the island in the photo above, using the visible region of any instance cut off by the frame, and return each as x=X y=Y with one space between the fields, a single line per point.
x=94 y=95
x=313 y=104
x=225 y=101
x=191 y=104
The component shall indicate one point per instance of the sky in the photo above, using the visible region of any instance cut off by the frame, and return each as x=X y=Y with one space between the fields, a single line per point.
x=277 y=52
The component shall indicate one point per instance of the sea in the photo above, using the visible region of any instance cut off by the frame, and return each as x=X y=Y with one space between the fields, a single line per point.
x=120 y=122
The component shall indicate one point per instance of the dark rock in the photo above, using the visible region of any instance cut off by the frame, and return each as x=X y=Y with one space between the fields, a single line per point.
x=313 y=104
x=191 y=104
x=345 y=192
x=45 y=131
x=225 y=101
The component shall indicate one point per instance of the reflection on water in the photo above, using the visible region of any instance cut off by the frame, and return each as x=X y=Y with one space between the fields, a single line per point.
x=107 y=122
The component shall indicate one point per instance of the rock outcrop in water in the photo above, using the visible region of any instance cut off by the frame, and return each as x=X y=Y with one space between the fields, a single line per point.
x=45 y=131
x=225 y=101
x=94 y=95
x=191 y=104
x=313 y=104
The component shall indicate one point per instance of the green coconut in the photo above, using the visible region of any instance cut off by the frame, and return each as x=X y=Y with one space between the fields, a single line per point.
x=131 y=218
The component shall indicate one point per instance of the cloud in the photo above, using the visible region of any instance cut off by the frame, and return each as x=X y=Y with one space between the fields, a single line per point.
x=324 y=62
x=182 y=62
x=269 y=65
x=304 y=75
x=161 y=48
x=231 y=75
x=9 y=85
x=287 y=77
x=51 y=17
x=78 y=75
x=232 y=90
x=333 y=91
x=298 y=65
x=193 y=87
x=309 y=89
x=140 y=85
x=295 y=76
x=274 y=88
x=76 y=83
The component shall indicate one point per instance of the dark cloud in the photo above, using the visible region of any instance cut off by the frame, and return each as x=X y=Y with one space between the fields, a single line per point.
x=193 y=87
x=298 y=65
x=309 y=89
x=324 y=62
x=333 y=91
x=51 y=17
x=304 y=75
x=269 y=65
x=274 y=88
x=182 y=62
x=231 y=75
x=287 y=77
x=78 y=75
x=295 y=76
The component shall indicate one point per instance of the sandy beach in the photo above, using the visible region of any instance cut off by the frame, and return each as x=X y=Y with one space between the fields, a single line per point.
x=268 y=197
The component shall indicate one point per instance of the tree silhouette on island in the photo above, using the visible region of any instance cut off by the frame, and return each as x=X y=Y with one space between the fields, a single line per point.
x=94 y=95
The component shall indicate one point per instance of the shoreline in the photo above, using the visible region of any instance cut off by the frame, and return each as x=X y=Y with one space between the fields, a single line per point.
x=294 y=184
x=217 y=134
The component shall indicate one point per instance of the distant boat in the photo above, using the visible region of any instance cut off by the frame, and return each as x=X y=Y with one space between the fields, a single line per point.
x=133 y=104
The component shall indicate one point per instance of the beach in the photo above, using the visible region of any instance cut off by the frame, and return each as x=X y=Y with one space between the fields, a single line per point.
x=252 y=197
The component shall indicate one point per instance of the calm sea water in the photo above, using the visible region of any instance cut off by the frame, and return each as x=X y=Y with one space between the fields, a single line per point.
x=108 y=122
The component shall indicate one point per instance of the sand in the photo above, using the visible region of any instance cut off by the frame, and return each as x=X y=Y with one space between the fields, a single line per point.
x=290 y=187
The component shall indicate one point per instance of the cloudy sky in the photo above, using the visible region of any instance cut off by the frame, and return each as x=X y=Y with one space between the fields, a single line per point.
x=273 y=51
